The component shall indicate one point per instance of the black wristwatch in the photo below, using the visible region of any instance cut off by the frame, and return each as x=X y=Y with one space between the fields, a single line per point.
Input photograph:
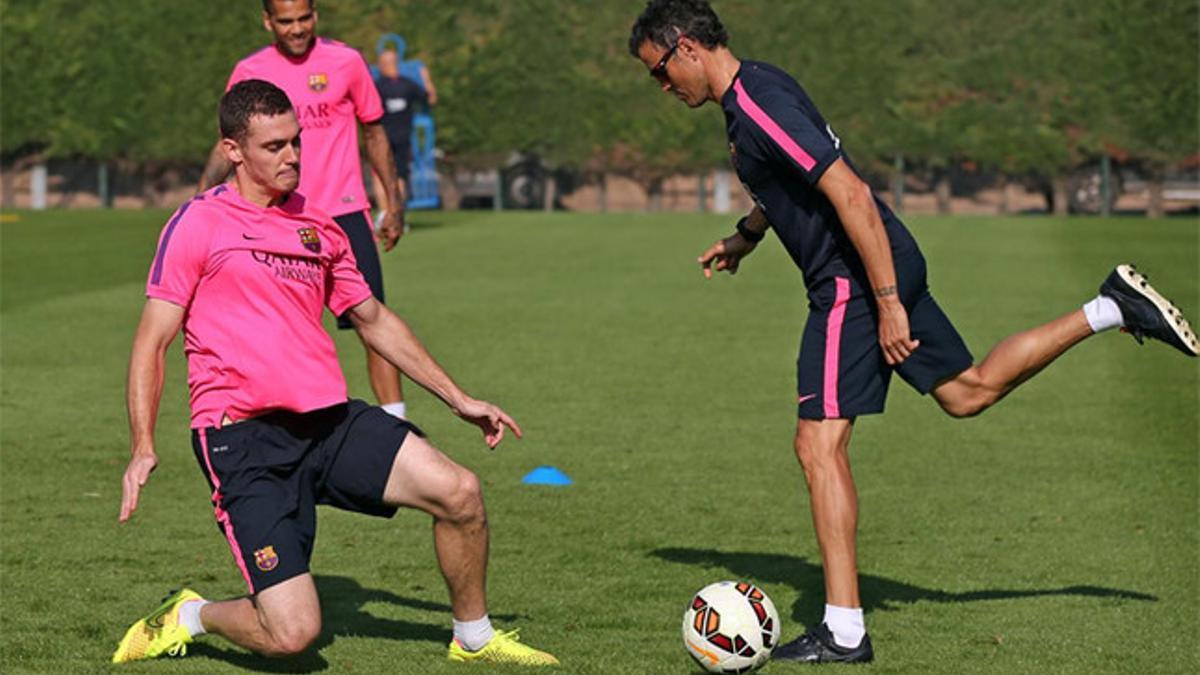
x=747 y=233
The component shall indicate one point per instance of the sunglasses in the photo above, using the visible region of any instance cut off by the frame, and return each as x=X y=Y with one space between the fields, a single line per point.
x=659 y=71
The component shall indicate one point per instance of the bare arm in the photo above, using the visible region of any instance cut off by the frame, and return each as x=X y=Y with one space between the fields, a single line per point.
x=391 y=337
x=159 y=325
x=856 y=209
x=379 y=154
x=216 y=170
x=429 y=88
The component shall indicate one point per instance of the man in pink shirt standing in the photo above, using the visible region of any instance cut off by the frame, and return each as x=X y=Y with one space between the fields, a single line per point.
x=246 y=270
x=332 y=91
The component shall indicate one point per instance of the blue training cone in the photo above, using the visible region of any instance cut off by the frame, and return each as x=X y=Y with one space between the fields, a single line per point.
x=546 y=475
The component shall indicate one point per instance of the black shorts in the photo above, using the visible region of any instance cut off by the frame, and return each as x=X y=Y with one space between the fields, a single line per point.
x=269 y=473
x=366 y=255
x=402 y=154
x=841 y=371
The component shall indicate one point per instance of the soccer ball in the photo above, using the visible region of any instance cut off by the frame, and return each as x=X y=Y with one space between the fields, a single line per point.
x=730 y=627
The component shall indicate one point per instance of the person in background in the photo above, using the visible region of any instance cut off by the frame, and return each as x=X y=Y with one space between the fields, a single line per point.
x=331 y=88
x=400 y=96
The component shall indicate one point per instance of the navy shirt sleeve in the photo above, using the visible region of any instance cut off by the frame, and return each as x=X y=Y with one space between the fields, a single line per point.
x=786 y=134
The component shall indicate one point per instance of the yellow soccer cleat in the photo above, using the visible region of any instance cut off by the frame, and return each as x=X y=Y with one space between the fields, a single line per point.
x=159 y=633
x=502 y=648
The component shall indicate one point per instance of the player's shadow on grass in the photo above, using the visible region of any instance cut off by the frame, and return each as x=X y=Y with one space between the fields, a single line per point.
x=342 y=609
x=876 y=592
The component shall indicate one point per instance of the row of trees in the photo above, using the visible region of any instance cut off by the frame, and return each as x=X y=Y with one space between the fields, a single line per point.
x=1024 y=87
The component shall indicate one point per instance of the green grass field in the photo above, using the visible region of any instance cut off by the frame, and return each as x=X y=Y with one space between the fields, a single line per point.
x=1057 y=533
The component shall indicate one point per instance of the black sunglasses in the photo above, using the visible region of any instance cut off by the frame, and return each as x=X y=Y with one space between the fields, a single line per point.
x=659 y=71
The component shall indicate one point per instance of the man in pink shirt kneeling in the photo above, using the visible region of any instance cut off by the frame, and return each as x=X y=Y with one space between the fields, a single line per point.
x=246 y=269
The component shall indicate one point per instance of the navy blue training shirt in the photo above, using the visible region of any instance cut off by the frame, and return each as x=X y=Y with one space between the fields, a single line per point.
x=781 y=146
x=400 y=97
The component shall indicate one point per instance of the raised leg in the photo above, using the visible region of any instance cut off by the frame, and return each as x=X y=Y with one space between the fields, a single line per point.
x=1011 y=362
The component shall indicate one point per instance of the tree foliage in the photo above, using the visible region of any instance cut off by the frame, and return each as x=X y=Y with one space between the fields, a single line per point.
x=1017 y=85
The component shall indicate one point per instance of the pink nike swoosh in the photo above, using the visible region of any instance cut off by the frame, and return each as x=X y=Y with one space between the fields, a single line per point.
x=802 y=399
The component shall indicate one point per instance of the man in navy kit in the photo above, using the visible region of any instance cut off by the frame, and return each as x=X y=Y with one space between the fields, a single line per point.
x=870 y=310
x=400 y=97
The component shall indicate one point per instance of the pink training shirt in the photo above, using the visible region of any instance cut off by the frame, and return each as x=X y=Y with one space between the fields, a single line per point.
x=254 y=282
x=331 y=89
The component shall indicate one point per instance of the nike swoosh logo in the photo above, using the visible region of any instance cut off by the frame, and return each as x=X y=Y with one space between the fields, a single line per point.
x=802 y=399
x=249 y=238
x=156 y=620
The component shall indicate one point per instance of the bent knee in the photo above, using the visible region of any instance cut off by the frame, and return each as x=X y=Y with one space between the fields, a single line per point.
x=966 y=394
x=294 y=638
x=968 y=406
x=465 y=503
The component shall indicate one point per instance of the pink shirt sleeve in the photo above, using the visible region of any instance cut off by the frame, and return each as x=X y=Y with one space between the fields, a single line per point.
x=367 y=105
x=346 y=286
x=235 y=76
x=180 y=259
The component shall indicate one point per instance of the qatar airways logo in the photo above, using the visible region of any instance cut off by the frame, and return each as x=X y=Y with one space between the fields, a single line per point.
x=315 y=115
x=304 y=270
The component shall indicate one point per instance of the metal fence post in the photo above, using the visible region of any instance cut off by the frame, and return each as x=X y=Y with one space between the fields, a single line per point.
x=898 y=183
x=102 y=186
x=1105 y=185
x=721 y=197
x=37 y=187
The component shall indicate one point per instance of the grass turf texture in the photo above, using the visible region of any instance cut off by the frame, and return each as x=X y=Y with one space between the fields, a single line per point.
x=1057 y=533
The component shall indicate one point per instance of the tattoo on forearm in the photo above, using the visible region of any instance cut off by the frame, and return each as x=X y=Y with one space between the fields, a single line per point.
x=885 y=291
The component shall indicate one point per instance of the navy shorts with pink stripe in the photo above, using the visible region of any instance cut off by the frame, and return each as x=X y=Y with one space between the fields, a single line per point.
x=269 y=473
x=841 y=371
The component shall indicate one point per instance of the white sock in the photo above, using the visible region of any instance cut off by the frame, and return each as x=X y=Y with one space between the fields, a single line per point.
x=473 y=635
x=1103 y=314
x=846 y=624
x=189 y=617
x=395 y=409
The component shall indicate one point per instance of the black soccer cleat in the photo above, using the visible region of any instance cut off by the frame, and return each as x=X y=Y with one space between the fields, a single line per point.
x=1147 y=313
x=817 y=646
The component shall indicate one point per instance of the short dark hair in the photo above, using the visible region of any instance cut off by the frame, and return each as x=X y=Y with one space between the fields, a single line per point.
x=269 y=6
x=247 y=99
x=664 y=21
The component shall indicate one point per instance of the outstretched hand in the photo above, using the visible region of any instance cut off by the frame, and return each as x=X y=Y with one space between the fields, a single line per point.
x=489 y=418
x=727 y=254
x=136 y=475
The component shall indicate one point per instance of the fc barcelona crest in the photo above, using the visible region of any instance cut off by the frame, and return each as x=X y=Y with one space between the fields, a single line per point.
x=265 y=558
x=308 y=237
x=318 y=81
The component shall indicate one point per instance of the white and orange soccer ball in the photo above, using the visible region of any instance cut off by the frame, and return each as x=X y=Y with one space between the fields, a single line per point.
x=730 y=627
